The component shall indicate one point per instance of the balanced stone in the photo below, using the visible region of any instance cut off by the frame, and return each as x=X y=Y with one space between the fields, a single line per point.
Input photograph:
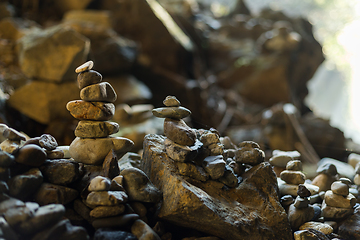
x=333 y=213
x=291 y=189
x=292 y=177
x=250 y=153
x=52 y=193
x=299 y=216
x=179 y=132
x=303 y=191
x=15 y=216
x=86 y=66
x=327 y=168
x=294 y=165
x=83 y=110
x=181 y=153
x=31 y=155
x=214 y=166
x=87 y=78
x=340 y=188
x=95 y=129
x=93 y=151
x=100 y=92
x=99 y=183
x=209 y=138
x=335 y=200
x=55 y=154
x=281 y=158
x=171 y=101
x=107 y=211
x=60 y=171
x=171 y=112
x=301 y=202
x=48 y=142
x=10 y=146
x=106 y=198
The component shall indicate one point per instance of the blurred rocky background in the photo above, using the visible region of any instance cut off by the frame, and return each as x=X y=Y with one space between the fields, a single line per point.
x=242 y=74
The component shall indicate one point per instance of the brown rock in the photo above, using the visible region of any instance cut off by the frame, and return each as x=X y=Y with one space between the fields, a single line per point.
x=118 y=221
x=107 y=211
x=91 y=110
x=293 y=177
x=61 y=171
x=95 y=129
x=51 y=193
x=99 y=92
x=110 y=165
x=179 y=132
x=106 y=198
x=31 y=155
x=87 y=78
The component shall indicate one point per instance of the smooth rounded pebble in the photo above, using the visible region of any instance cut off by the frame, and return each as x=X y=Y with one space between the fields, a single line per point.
x=86 y=66
x=171 y=101
x=171 y=112
x=87 y=78
x=99 y=183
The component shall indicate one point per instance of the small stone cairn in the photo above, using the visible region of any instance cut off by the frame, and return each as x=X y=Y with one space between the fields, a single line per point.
x=327 y=174
x=199 y=154
x=92 y=142
x=338 y=202
x=280 y=158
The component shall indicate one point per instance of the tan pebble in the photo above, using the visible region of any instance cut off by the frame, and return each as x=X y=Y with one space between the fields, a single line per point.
x=86 y=66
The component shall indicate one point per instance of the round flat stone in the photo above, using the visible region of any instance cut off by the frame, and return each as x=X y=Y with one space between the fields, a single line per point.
x=87 y=78
x=95 y=129
x=171 y=112
x=99 y=92
x=340 y=188
x=83 y=110
x=171 y=101
x=292 y=177
x=86 y=66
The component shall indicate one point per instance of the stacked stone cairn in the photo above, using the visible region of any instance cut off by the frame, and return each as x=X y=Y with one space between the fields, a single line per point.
x=92 y=143
x=280 y=158
x=338 y=202
x=327 y=174
x=198 y=153
x=291 y=178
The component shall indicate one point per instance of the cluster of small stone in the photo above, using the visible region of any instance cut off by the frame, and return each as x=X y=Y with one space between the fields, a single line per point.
x=199 y=154
x=92 y=142
x=34 y=169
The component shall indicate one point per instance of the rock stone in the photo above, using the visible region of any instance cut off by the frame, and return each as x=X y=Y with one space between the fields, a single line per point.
x=138 y=208
x=291 y=189
x=130 y=159
x=16 y=216
x=142 y=231
x=303 y=191
x=335 y=213
x=107 y=234
x=209 y=138
x=353 y=160
x=301 y=202
x=11 y=147
x=22 y=186
x=229 y=178
x=95 y=129
x=281 y=158
x=117 y=221
x=305 y=235
x=48 y=104
x=84 y=67
x=7 y=231
x=31 y=155
x=181 y=153
x=51 y=193
x=45 y=216
x=350 y=228
x=335 y=200
x=110 y=167
x=6 y=159
x=343 y=169
x=59 y=50
x=87 y=78
x=10 y=203
x=171 y=101
x=61 y=171
x=99 y=92
x=171 y=112
x=214 y=166
x=94 y=151
x=340 y=188
x=107 y=211
x=299 y=216
x=13 y=135
x=179 y=132
x=227 y=214
x=293 y=177
x=321 y=227
x=55 y=154
x=193 y=171
x=106 y=198
x=99 y=183
x=138 y=186
x=323 y=181
x=294 y=165
x=98 y=111
x=249 y=153
x=48 y=142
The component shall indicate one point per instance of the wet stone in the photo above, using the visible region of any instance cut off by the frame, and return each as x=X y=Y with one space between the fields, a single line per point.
x=340 y=188
x=84 y=67
x=110 y=234
x=99 y=183
x=171 y=112
x=99 y=92
x=61 y=171
x=15 y=216
x=87 y=78
x=171 y=101
x=214 y=166
x=179 y=132
x=6 y=159
x=95 y=129
x=97 y=111
x=345 y=181
x=106 y=198
x=117 y=221
x=48 y=142
x=31 y=155
x=107 y=211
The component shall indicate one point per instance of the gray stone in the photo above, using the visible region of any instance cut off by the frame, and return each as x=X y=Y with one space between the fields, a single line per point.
x=138 y=208
x=291 y=189
x=13 y=135
x=51 y=193
x=31 y=155
x=10 y=203
x=87 y=78
x=48 y=142
x=117 y=221
x=57 y=58
x=85 y=67
x=99 y=183
x=334 y=200
x=97 y=111
x=340 y=188
x=327 y=168
x=106 y=198
x=181 y=153
x=286 y=200
x=109 y=234
x=214 y=166
x=193 y=171
x=142 y=231
x=94 y=151
x=305 y=235
x=299 y=216
x=18 y=215
x=301 y=202
x=171 y=101
x=335 y=213
x=60 y=171
x=45 y=216
x=171 y=112
x=6 y=159
x=138 y=186
x=293 y=177
x=321 y=227
x=25 y=185
x=95 y=129
x=99 y=92
x=179 y=132
x=107 y=211
x=249 y=153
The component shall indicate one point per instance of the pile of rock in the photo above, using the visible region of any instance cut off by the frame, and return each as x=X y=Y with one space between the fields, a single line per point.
x=280 y=158
x=92 y=143
x=338 y=202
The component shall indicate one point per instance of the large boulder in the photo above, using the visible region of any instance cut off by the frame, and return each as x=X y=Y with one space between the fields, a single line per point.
x=250 y=211
x=58 y=51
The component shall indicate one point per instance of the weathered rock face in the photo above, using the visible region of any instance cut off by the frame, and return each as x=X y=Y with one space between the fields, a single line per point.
x=57 y=50
x=250 y=211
